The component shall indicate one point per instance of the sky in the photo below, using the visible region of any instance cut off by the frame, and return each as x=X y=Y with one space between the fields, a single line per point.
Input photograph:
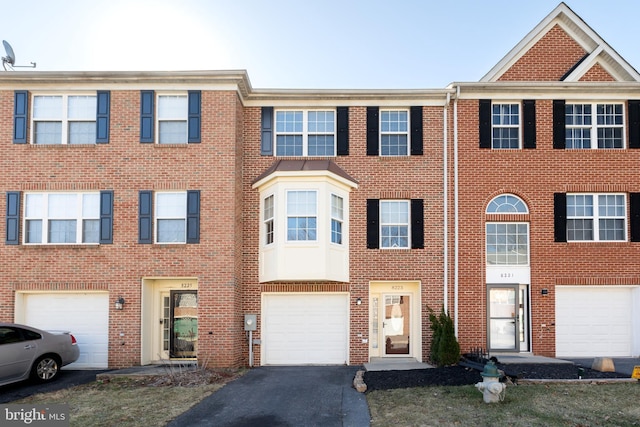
x=297 y=44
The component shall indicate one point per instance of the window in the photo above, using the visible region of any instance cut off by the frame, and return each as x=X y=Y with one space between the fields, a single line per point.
x=507 y=243
x=596 y=217
x=337 y=213
x=171 y=217
x=305 y=133
x=58 y=218
x=172 y=119
x=505 y=120
x=301 y=215
x=394 y=133
x=584 y=131
x=507 y=203
x=64 y=119
x=394 y=223
x=268 y=220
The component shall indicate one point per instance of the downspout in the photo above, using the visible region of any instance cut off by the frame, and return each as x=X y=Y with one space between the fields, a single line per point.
x=455 y=210
x=445 y=186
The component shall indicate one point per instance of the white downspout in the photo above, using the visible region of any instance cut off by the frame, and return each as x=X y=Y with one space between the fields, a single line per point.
x=455 y=210
x=445 y=186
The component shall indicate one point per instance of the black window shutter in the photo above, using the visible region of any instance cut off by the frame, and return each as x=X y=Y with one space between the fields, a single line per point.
x=484 y=115
x=193 y=216
x=634 y=216
x=373 y=223
x=20 y=118
x=634 y=123
x=560 y=217
x=13 y=218
x=106 y=217
x=373 y=128
x=343 y=131
x=417 y=224
x=266 y=139
x=559 y=129
x=145 y=218
x=416 y=131
x=193 y=117
x=529 y=123
x=102 y=116
x=146 y=115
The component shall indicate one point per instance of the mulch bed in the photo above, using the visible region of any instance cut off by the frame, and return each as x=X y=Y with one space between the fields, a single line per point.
x=459 y=375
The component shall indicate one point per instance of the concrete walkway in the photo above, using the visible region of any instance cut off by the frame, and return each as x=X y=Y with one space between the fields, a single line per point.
x=283 y=396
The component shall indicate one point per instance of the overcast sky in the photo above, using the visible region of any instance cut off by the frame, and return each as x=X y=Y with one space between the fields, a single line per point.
x=297 y=44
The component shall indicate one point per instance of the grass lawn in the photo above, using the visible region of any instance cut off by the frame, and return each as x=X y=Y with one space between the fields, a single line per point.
x=124 y=402
x=546 y=405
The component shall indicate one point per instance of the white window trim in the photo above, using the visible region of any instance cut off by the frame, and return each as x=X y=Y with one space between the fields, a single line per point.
x=596 y=217
x=528 y=244
x=44 y=218
x=407 y=132
x=526 y=208
x=305 y=131
x=407 y=224
x=337 y=219
x=64 y=116
x=318 y=238
x=518 y=126
x=182 y=118
x=594 y=123
x=266 y=220
x=157 y=218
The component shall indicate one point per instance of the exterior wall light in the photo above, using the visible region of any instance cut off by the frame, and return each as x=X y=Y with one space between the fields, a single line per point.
x=119 y=303
x=359 y=301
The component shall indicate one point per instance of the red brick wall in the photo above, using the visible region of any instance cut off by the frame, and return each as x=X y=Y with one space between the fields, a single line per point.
x=597 y=73
x=534 y=175
x=126 y=166
x=406 y=177
x=548 y=59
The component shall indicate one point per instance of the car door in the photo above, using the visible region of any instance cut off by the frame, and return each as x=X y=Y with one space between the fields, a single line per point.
x=16 y=354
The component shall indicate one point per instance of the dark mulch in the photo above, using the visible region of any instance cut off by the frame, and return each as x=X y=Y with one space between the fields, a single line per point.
x=459 y=375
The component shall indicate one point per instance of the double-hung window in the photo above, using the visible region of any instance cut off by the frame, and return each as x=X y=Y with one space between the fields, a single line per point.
x=57 y=218
x=594 y=126
x=305 y=133
x=505 y=126
x=596 y=217
x=172 y=119
x=268 y=214
x=302 y=215
x=64 y=119
x=337 y=218
x=394 y=132
x=394 y=224
x=171 y=217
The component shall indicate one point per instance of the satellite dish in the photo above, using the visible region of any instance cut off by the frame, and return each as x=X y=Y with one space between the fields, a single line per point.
x=9 y=61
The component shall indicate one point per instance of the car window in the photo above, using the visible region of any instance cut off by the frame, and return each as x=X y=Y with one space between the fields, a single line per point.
x=9 y=335
x=30 y=335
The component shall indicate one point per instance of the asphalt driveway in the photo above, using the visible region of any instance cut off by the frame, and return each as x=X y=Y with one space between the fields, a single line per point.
x=66 y=379
x=283 y=396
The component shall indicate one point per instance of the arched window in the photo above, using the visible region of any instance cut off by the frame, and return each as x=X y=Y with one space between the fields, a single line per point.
x=507 y=203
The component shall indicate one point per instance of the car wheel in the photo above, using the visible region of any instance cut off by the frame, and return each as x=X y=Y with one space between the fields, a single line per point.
x=45 y=369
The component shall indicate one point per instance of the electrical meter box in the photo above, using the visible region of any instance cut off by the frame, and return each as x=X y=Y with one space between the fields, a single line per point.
x=250 y=322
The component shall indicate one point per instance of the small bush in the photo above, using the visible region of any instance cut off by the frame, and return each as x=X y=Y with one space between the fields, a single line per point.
x=445 y=349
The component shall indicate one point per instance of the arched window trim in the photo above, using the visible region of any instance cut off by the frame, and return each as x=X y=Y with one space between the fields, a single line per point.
x=510 y=204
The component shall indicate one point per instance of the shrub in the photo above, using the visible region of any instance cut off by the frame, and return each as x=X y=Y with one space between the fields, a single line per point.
x=445 y=349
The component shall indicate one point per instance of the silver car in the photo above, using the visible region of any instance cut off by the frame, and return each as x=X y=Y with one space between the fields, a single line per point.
x=27 y=352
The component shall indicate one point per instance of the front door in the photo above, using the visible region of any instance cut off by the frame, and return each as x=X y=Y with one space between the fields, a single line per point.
x=396 y=325
x=181 y=332
x=508 y=318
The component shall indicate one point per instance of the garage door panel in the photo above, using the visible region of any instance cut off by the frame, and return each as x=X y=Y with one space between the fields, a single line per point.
x=593 y=321
x=301 y=329
x=85 y=315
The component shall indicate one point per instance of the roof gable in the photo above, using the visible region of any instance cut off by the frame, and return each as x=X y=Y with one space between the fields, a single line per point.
x=562 y=47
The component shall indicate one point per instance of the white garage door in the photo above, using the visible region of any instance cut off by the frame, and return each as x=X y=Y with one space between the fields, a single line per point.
x=305 y=329
x=85 y=315
x=593 y=321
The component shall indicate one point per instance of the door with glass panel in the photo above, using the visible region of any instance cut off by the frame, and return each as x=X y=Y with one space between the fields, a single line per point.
x=508 y=318
x=179 y=324
x=396 y=325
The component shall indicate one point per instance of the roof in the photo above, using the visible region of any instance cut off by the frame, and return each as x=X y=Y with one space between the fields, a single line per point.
x=304 y=166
